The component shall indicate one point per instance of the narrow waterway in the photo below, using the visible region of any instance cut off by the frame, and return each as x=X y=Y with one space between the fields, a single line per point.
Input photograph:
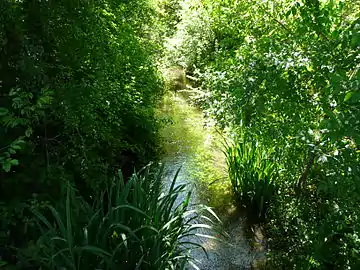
x=190 y=142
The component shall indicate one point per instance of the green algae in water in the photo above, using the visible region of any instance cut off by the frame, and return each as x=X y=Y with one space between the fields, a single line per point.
x=185 y=134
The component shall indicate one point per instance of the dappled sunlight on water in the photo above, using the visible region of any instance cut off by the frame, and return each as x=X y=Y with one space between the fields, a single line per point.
x=196 y=147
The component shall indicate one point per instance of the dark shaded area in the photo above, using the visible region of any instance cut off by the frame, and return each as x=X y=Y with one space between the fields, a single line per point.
x=77 y=92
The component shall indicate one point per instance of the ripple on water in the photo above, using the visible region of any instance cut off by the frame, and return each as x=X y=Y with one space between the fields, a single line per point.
x=233 y=251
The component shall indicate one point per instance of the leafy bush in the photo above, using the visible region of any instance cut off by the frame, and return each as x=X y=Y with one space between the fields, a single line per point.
x=192 y=38
x=78 y=88
x=133 y=225
x=287 y=73
x=319 y=229
x=168 y=16
x=253 y=176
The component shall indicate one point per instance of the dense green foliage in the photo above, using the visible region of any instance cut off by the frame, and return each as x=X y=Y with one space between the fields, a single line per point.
x=252 y=173
x=78 y=88
x=140 y=227
x=286 y=74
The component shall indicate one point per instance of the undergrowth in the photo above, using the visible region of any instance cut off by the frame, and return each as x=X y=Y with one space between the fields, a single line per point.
x=133 y=225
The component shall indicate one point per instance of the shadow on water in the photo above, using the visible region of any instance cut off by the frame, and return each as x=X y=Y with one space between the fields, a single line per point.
x=196 y=147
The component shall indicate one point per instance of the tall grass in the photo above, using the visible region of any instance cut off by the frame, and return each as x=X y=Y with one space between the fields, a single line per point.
x=133 y=225
x=252 y=173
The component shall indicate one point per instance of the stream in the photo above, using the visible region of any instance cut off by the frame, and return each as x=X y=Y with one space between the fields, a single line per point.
x=192 y=144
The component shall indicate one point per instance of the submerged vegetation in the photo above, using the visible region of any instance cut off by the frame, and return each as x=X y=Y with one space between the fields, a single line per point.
x=92 y=88
x=190 y=137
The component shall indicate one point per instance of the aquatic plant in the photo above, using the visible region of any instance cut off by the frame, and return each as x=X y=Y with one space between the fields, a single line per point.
x=133 y=225
x=252 y=174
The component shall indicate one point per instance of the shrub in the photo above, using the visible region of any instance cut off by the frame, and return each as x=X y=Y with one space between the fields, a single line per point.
x=192 y=38
x=133 y=225
x=319 y=229
x=287 y=72
x=78 y=88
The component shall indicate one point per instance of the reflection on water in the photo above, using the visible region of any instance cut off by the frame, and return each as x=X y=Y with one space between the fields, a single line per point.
x=231 y=251
x=191 y=145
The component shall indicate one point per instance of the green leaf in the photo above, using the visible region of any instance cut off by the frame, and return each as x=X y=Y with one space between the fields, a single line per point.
x=355 y=40
x=14 y=162
x=3 y=111
x=16 y=147
x=352 y=97
x=335 y=34
x=28 y=132
x=96 y=251
x=6 y=165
